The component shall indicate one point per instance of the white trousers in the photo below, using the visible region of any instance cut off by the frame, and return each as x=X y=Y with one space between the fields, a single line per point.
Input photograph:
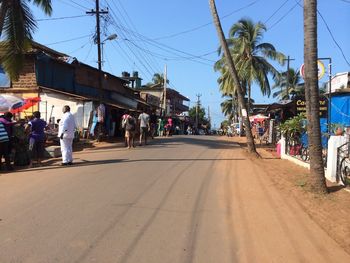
x=66 y=149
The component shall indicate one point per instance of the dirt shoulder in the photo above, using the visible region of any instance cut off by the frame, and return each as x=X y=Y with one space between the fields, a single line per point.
x=330 y=212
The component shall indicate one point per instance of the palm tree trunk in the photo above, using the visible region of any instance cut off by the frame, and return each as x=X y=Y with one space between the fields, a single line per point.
x=249 y=96
x=318 y=181
x=3 y=9
x=233 y=72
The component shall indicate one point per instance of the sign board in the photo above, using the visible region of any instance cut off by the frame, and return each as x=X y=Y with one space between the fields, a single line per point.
x=300 y=106
x=341 y=81
x=321 y=70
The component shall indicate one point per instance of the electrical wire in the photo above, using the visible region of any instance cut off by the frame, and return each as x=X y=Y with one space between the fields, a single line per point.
x=276 y=11
x=60 y=18
x=150 y=60
x=68 y=40
x=74 y=6
x=331 y=34
x=206 y=24
x=283 y=16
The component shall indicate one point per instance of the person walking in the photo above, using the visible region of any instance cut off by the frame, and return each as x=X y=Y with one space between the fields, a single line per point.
x=160 y=127
x=144 y=126
x=36 y=138
x=66 y=131
x=124 y=118
x=4 y=147
x=6 y=120
x=130 y=127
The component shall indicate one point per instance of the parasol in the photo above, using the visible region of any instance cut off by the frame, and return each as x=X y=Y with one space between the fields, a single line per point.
x=258 y=118
x=15 y=104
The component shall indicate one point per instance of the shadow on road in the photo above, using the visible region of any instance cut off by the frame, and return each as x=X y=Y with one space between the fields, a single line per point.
x=210 y=142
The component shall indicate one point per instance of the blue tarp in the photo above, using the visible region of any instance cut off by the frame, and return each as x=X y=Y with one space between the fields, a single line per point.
x=340 y=109
x=4 y=79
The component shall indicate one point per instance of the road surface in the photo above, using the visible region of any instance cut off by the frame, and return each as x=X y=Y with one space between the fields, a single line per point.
x=180 y=199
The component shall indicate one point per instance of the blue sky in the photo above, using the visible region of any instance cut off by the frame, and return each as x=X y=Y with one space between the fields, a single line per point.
x=179 y=34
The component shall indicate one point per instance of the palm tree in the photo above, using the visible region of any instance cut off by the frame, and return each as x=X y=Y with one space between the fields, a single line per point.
x=288 y=84
x=318 y=181
x=16 y=27
x=228 y=107
x=233 y=72
x=158 y=79
x=251 y=55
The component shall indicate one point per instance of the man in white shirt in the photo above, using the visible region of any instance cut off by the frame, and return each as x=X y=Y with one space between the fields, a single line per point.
x=144 y=126
x=66 y=131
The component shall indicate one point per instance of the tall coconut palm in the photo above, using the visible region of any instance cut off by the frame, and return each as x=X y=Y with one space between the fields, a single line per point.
x=318 y=182
x=287 y=84
x=17 y=25
x=229 y=107
x=159 y=79
x=233 y=72
x=252 y=55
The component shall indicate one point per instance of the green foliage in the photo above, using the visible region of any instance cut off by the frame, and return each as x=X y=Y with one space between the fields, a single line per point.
x=17 y=25
x=201 y=115
x=250 y=56
x=294 y=127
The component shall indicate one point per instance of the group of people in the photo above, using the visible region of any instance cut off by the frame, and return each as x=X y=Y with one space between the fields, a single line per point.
x=129 y=124
x=33 y=139
x=146 y=125
x=35 y=135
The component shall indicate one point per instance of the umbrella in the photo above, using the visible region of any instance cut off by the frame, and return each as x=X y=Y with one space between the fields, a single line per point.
x=15 y=104
x=258 y=118
x=27 y=103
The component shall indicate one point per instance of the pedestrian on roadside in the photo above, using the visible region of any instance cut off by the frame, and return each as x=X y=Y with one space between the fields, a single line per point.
x=169 y=127
x=124 y=118
x=130 y=128
x=37 y=128
x=66 y=131
x=160 y=127
x=4 y=147
x=144 y=126
x=6 y=120
x=153 y=124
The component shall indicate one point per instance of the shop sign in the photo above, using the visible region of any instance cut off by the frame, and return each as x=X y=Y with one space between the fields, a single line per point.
x=300 y=106
x=320 y=67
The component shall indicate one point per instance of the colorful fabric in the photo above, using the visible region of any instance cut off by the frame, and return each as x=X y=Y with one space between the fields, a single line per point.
x=3 y=133
x=37 y=129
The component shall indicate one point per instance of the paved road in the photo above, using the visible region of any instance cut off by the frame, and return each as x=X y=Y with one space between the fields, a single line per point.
x=182 y=199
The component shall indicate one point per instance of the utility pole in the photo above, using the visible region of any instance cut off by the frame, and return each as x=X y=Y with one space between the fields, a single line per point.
x=288 y=59
x=197 y=108
x=165 y=87
x=98 y=12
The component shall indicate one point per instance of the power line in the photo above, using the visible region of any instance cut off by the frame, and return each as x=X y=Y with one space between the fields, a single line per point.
x=165 y=47
x=278 y=9
x=284 y=16
x=332 y=36
x=149 y=60
x=206 y=24
x=68 y=40
x=76 y=6
x=60 y=18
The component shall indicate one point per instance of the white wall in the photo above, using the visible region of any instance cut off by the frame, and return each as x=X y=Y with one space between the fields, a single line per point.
x=55 y=102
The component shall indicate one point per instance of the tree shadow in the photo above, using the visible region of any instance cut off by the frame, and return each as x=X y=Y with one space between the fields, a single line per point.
x=335 y=188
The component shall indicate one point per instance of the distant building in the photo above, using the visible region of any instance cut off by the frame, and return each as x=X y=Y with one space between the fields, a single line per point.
x=154 y=95
x=61 y=80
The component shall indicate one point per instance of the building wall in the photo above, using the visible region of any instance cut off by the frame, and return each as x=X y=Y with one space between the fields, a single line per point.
x=27 y=78
x=54 y=102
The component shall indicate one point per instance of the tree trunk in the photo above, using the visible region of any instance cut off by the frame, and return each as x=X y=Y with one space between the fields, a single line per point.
x=318 y=181
x=249 y=96
x=3 y=8
x=234 y=75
